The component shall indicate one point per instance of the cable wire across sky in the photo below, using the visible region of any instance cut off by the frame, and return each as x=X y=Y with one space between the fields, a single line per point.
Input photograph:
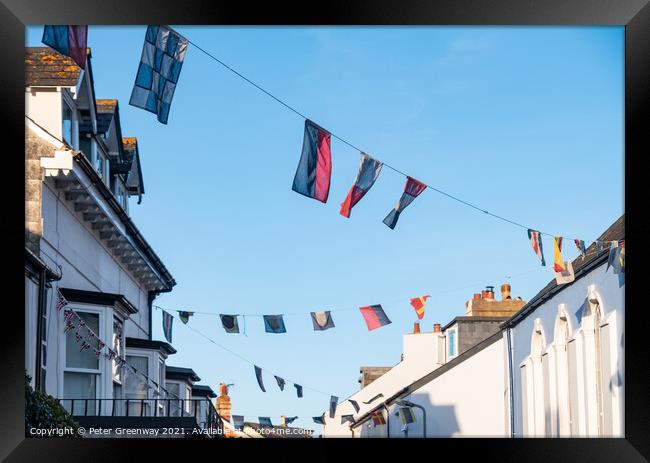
x=351 y=145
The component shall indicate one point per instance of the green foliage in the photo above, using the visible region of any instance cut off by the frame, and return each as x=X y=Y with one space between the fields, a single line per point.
x=43 y=412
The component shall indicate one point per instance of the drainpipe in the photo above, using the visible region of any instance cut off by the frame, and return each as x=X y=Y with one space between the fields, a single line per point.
x=387 y=420
x=511 y=383
x=39 y=331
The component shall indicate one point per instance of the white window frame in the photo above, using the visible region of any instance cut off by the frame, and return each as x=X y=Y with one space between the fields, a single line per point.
x=102 y=373
x=452 y=340
x=68 y=100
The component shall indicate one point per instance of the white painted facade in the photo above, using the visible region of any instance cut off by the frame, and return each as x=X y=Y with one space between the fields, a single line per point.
x=421 y=356
x=568 y=361
x=72 y=245
x=466 y=401
x=556 y=369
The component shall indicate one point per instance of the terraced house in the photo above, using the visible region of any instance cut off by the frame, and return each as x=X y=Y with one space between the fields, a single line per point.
x=81 y=177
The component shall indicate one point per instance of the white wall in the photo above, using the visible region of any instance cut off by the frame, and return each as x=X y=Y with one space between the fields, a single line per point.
x=86 y=265
x=466 y=401
x=611 y=291
x=44 y=106
x=420 y=354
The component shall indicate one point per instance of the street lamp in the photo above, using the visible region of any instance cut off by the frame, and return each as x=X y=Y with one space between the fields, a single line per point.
x=408 y=403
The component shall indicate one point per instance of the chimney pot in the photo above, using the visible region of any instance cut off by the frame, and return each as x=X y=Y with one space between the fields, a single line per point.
x=477 y=295
x=489 y=293
x=505 y=291
x=283 y=421
x=416 y=328
x=436 y=328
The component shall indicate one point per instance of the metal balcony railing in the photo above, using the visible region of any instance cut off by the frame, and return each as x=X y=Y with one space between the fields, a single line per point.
x=200 y=409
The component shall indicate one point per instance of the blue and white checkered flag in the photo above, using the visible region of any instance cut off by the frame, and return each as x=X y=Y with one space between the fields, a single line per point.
x=162 y=58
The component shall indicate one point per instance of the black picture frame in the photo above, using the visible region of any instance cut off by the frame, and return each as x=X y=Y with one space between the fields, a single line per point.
x=633 y=14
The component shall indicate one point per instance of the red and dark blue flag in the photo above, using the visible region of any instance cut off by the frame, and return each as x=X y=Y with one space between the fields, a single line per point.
x=374 y=316
x=69 y=41
x=312 y=177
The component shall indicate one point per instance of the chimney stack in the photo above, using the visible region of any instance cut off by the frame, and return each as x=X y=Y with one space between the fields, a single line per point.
x=223 y=402
x=436 y=328
x=505 y=292
x=416 y=328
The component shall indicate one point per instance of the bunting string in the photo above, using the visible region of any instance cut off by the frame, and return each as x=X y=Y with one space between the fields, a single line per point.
x=70 y=315
x=351 y=145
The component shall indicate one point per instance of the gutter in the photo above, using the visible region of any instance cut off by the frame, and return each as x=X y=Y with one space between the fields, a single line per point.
x=89 y=170
x=367 y=415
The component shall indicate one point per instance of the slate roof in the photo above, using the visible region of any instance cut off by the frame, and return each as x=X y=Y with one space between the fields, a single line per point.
x=48 y=68
x=181 y=373
x=203 y=390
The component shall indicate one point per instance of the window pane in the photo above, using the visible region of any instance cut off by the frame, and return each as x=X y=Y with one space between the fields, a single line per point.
x=174 y=393
x=67 y=124
x=135 y=385
x=80 y=386
x=74 y=357
x=117 y=347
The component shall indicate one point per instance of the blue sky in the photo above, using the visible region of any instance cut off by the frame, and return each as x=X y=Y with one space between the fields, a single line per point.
x=526 y=122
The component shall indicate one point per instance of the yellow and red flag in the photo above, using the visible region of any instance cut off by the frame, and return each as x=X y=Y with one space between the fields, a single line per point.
x=558 y=262
x=418 y=304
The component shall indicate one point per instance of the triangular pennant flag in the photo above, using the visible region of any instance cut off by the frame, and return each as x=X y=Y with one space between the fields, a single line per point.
x=378 y=396
x=314 y=170
x=374 y=316
x=566 y=276
x=619 y=266
x=167 y=321
x=418 y=304
x=412 y=190
x=258 y=375
x=319 y=419
x=298 y=389
x=290 y=419
x=265 y=421
x=163 y=53
x=580 y=244
x=559 y=265
x=274 y=324
x=369 y=170
x=355 y=404
x=346 y=418
x=407 y=415
x=238 y=422
x=535 y=238
x=280 y=382
x=322 y=320
x=333 y=402
x=229 y=323
x=612 y=254
x=184 y=316
x=70 y=41
x=61 y=301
